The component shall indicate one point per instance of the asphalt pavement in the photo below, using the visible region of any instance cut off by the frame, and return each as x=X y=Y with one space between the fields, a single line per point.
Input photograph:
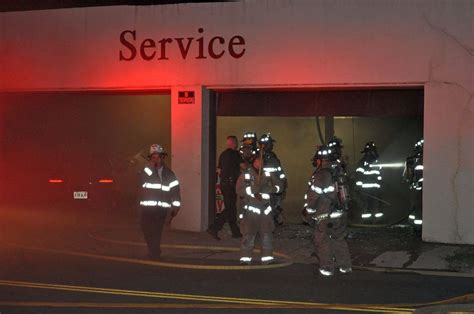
x=88 y=262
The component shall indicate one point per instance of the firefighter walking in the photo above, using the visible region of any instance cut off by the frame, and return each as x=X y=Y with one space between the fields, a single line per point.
x=323 y=207
x=255 y=186
x=159 y=196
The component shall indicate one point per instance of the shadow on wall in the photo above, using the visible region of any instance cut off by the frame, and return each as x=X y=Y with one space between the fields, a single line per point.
x=297 y=138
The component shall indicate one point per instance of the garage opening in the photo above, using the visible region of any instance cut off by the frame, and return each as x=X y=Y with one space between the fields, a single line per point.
x=79 y=149
x=392 y=118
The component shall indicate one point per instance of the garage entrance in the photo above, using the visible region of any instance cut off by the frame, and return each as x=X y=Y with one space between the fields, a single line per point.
x=392 y=118
x=55 y=144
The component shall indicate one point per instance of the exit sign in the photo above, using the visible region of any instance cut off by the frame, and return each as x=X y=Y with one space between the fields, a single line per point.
x=186 y=97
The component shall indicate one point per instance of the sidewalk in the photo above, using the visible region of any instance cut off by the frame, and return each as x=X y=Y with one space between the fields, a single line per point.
x=390 y=247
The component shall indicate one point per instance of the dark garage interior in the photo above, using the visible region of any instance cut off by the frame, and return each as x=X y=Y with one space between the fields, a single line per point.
x=392 y=118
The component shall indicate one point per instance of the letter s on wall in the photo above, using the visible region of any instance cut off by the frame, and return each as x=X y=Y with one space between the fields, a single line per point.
x=130 y=46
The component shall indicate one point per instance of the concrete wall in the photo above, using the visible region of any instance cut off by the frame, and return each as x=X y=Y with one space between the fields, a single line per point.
x=289 y=44
x=448 y=181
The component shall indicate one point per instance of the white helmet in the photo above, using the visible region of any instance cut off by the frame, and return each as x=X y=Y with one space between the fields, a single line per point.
x=157 y=149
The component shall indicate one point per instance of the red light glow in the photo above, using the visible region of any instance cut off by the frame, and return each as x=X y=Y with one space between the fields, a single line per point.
x=106 y=181
x=55 y=181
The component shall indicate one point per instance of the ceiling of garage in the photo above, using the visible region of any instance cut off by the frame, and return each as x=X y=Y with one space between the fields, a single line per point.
x=375 y=102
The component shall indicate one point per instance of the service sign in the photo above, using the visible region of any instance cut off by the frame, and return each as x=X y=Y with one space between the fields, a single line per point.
x=197 y=46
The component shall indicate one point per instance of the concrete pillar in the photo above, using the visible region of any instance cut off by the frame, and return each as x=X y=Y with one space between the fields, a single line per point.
x=190 y=155
x=448 y=197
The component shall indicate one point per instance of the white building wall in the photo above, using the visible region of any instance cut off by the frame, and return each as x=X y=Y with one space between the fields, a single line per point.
x=190 y=154
x=289 y=43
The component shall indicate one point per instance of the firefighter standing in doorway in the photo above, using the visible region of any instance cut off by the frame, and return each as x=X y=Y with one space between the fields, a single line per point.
x=249 y=148
x=324 y=208
x=255 y=186
x=272 y=164
x=335 y=144
x=413 y=175
x=248 y=151
x=369 y=183
x=160 y=196
x=339 y=167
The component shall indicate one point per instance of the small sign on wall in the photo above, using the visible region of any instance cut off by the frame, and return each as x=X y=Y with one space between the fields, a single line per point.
x=185 y=97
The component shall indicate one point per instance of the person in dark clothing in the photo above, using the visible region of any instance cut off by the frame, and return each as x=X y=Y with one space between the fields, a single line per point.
x=230 y=163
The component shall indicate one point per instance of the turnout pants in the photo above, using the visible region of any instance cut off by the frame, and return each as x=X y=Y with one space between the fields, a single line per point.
x=330 y=244
x=416 y=203
x=152 y=222
x=371 y=203
x=253 y=224
x=276 y=201
x=229 y=214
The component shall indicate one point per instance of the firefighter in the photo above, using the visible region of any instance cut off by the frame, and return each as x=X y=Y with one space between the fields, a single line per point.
x=369 y=183
x=248 y=151
x=272 y=164
x=413 y=175
x=249 y=148
x=340 y=170
x=160 y=196
x=323 y=207
x=335 y=144
x=255 y=186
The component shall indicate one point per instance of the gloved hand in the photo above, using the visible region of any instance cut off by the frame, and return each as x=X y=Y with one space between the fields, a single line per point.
x=257 y=188
x=174 y=212
x=240 y=217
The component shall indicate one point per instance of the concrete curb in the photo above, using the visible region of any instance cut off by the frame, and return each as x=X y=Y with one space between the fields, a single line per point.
x=425 y=272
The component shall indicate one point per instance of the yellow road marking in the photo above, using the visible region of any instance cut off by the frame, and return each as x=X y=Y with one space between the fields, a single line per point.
x=164 y=305
x=204 y=298
x=153 y=263
x=467 y=298
x=182 y=246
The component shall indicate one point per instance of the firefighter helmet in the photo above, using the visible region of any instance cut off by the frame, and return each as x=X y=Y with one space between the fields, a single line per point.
x=419 y=146
x=369 y=147
x=249 y=136
x=157 y=149
x=335 y=142
x=266 y=139
x=324 y=153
